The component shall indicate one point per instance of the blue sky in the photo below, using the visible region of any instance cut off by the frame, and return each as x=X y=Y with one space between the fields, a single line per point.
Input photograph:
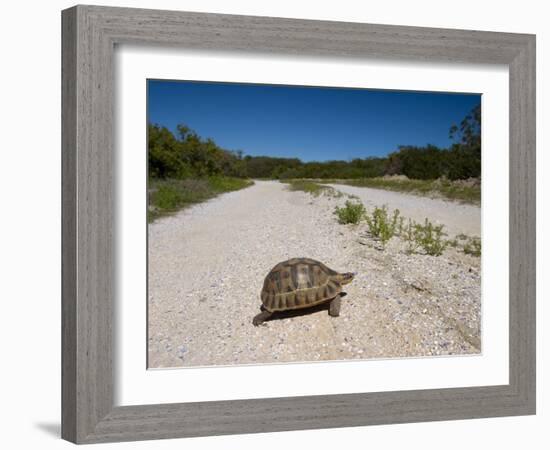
x=313 y=124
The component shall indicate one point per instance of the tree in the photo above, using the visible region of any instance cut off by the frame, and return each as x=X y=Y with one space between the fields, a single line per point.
x=164 y=155
x=466 y=152
x=469 y=133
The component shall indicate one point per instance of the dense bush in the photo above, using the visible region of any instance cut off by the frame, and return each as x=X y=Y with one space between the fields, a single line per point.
x=189 y=155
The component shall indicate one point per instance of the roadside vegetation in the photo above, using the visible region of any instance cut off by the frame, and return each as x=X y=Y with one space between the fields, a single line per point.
x=170 y=195
x=467 y=191
x=187 y=169
x=352 y=212
x=312 y=187
x=471 y=245
x=426 y=237
x=430 y=237
x=382 y=225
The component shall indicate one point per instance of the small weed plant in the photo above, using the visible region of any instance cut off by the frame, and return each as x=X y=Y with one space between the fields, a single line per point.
x=382 y=225
x=469 y=245
x=452 y=243
x=409 y=234
x=352 y=212
x=472 y=246
x=430 y=237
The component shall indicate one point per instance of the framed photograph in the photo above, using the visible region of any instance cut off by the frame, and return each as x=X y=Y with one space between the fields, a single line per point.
x=268 y=222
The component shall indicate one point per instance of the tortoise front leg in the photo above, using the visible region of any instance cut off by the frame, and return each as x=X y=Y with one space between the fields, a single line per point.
x=334 y=308
x=260 y=318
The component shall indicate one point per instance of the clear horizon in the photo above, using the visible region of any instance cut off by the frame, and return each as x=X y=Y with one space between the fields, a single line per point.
x=309 y=123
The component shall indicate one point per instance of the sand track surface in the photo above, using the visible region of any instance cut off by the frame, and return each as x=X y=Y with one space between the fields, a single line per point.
x=207 y=264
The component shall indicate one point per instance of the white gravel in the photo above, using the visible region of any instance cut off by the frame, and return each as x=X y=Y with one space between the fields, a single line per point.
x=207 y=265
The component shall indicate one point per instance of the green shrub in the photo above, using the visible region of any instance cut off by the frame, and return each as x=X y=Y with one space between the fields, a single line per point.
x=452 y=243
x=472 y=246
x=410 y=234
x=383 y=226
x=431 y=238
x=351 y=213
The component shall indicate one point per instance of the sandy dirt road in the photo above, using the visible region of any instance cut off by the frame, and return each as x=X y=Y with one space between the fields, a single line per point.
x=207 y=265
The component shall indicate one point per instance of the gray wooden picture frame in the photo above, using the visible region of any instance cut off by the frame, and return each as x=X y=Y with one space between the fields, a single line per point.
x=89 y=36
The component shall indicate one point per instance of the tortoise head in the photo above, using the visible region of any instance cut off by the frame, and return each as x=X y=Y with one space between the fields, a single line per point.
x=345 y=278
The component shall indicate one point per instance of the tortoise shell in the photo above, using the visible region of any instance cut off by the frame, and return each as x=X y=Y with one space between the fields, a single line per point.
x=299 y=283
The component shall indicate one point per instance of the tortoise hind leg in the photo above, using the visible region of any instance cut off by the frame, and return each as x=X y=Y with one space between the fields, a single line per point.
x=334 y=308
x=260 y=318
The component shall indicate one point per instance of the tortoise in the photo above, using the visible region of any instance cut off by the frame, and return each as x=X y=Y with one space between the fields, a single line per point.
x=301 y=283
